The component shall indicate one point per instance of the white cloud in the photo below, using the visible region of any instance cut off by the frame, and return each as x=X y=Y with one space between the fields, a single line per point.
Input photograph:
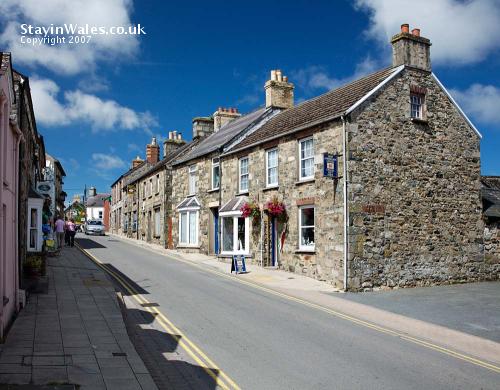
x=461 y=32
x=317 y=77
x=107 y=162
x=67 y=58
x=79 y=106
x=482 y=102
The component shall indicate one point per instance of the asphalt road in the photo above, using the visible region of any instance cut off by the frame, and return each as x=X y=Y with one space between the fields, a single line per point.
x=263 y=341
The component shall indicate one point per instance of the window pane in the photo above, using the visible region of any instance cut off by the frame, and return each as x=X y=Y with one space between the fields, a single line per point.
x=34 y=218
x=306 y=148
x=183 y=228
x=307 y=167
x=241 y=234
x=307 y=215
x=244 y=183
x=243 y=166
x=307 y=237
x=272 y=177
x=227 y=234
x=215 y=177
x=192 y=228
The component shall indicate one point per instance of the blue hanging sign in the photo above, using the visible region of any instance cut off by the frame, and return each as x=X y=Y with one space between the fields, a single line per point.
x=238 y=264
x=330 y=165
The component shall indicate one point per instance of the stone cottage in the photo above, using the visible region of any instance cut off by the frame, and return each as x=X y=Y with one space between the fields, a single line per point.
x=196 y=177
x=380 y=180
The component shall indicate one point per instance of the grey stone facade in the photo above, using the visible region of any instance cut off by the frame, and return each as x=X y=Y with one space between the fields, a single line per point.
x=325 y=194
x=414 y=199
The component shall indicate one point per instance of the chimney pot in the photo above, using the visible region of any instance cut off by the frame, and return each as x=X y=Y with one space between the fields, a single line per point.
x=405 y=28
x=279 y=75
x=285 y=79
x=273 y=75
x=416 y=32
x=169 y=135
x=179 y=136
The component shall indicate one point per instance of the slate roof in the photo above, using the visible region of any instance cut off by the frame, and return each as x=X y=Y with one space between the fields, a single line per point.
x=146 y=168
x=490 y=192
x=97 y=200
x=226 y=134
x=233 y=204
x=330 y=105
x=189 y=202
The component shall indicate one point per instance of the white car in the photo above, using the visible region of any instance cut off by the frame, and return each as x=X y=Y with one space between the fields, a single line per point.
x=94 y=227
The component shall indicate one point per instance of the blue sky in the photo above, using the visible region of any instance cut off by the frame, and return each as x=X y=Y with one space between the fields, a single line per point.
x=98 y=104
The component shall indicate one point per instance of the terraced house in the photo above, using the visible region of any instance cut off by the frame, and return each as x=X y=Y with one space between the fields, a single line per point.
x=375 y=183
x=141 y=197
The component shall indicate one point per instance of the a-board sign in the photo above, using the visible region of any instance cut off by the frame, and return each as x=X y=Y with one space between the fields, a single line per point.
x=238 y=264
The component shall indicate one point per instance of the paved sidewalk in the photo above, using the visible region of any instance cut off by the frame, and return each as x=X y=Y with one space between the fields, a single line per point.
x=75 y=334
x=367 y=306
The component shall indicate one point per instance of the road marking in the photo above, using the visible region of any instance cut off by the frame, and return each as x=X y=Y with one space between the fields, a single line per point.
x=338 y=314
x=199 y=357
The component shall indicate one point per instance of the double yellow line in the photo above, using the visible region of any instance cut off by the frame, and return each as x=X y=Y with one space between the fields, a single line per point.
x=347 y=317
x=219 y=377
x=381 y=329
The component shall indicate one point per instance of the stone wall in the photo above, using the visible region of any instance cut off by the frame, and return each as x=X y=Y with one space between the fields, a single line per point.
x=415 y=208
x=492 y=246
x=325 y=263
x=204 y=194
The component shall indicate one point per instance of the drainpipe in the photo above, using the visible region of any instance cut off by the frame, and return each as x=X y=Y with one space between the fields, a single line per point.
x=346 y=210
x=219 y=223
x=165 y=209
x=20 y=137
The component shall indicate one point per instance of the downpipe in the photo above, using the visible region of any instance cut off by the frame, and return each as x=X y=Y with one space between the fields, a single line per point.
x=346 y=210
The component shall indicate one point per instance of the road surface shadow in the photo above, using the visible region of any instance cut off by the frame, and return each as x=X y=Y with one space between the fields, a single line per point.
x=87 y=243
x=138 y=289
x=157 y=350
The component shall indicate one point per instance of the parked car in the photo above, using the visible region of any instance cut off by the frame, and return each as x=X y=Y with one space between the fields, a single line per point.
x=94 y=227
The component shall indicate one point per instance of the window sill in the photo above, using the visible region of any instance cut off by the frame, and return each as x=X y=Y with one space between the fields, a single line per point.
x=213 y=190
x=420 y=120
x=190 y=195
x=305 y=181
x=306 y=251
x=242 y=193
x=188 y=246
x=271 y=188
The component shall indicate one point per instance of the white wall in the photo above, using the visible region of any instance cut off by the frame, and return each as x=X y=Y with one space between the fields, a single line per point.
x=93 y=213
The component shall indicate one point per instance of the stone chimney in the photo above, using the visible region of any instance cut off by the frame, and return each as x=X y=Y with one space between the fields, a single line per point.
x=153 y=152
x=411 y=49
x=202 y=126
x=223 y=116
x=172 y=143
x=92 y=191
x=279 y=92
x=136 y=162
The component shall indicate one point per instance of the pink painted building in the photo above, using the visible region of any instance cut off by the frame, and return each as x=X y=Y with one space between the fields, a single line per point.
x=10 y=136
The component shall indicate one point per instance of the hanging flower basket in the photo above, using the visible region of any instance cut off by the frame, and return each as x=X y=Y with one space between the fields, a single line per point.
x=250 y=209
x=276 y=208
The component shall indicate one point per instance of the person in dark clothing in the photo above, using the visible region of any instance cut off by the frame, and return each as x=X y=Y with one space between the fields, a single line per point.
x=71 y=229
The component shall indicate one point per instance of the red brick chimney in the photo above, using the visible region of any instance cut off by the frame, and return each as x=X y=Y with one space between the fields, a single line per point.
x=136 y=162
x=153 y=152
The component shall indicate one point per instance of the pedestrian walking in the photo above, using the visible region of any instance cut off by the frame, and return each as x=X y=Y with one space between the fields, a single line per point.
x=60 y=225
x=66 y=232
x=71 y=231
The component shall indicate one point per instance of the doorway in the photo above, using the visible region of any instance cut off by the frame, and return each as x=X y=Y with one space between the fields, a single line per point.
x=214 y=231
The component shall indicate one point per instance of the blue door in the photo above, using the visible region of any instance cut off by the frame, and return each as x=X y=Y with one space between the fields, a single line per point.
x=273 y=242
x=216 y=231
